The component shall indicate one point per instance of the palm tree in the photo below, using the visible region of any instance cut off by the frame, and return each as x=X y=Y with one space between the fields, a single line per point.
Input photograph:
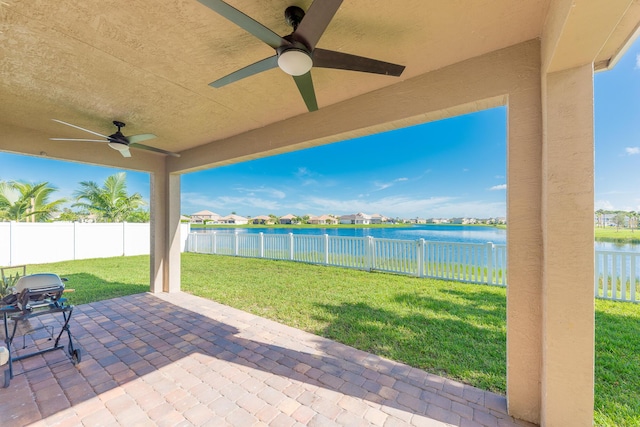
x=139 y=215
x=110 y=203
x=68 y=215
x=633 y=220
x=21 y=201
x=600 y=216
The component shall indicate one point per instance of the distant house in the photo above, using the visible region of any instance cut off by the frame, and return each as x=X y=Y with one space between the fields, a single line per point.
x=322 y=219
x=233 y=219
x=261 y=219
x=359 y=218
x=202 y=217
x=417 y=220
x=378 y=219
x=464 y=221
x=288 y=219
x=437 y=221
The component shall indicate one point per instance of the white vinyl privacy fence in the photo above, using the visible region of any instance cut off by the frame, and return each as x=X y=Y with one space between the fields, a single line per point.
x=36 y=243
x=465 y=262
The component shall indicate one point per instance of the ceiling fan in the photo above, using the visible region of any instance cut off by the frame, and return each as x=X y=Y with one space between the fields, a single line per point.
x=296 y=53
x=117 y=141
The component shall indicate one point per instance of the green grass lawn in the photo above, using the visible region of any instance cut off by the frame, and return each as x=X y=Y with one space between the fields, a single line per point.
x=448 y=328
x=623 y=235
x=100 y=278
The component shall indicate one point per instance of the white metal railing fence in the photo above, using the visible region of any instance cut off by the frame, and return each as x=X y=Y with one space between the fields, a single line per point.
x=617 y=275
x=465 y=262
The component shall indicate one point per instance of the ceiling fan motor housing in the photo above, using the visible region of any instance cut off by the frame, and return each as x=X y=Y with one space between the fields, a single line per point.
x=118 y=139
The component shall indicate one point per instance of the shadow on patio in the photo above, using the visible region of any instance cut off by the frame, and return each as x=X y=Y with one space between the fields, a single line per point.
x=169 y=359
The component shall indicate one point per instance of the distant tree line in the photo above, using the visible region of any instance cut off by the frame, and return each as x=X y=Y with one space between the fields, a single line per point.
x=24 y=202
x=617 y=218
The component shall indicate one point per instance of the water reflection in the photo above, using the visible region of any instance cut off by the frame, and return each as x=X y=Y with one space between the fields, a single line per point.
x=450 y=233
x=433 y=233
x=611 y=246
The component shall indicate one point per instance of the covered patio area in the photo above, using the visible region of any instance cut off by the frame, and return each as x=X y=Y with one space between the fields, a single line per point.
x=178 y=359
x=148 y=64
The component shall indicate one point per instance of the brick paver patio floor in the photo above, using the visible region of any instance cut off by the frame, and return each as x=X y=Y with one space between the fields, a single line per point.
x=181 y=360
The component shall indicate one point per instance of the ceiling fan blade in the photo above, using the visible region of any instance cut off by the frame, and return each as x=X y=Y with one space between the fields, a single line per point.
x=125 y=152
x=316 y=20
x=78 y=127
x=157 y=150
x=141 y=137
x=245 y=22
x=305 y=86
x=78 y=140
x=249 y=70
x=344 y=61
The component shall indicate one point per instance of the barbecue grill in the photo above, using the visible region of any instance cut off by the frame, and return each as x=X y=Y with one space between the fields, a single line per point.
x=32 y=296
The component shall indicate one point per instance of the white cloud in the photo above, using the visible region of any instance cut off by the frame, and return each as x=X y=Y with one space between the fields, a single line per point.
x=193 y=202
x=249 y=204
x=197 y=199
x=638 y=61
x=302 y=171
x=498 y=187
x=384 y=205
x=384 y=185
x=271 y=192
x=406 y=207
x=632 y=150
x=394 y=206
x=613 y=192
x=306 y=176
x=603 y=204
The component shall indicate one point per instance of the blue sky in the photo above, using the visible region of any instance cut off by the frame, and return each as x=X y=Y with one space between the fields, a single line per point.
x=453 y=167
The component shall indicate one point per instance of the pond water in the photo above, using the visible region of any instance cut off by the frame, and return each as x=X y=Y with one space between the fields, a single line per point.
x=436 y=233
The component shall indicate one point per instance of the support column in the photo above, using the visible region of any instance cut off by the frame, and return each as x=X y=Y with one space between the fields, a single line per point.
x=568 y=318
x=172 y=273
x=165 y=232
x=524 y=248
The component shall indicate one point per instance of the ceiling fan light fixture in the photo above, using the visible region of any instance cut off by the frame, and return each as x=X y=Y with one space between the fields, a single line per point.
x=295 y=62
x=120 y=146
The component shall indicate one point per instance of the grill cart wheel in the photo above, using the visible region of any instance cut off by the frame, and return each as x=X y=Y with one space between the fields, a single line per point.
x=76 y=356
